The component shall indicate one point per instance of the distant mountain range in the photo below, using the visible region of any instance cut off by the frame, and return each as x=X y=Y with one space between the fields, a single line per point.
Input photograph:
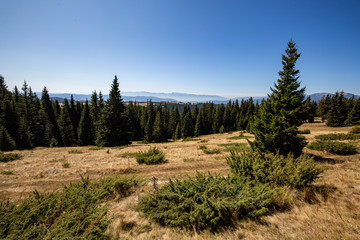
x=175 y=97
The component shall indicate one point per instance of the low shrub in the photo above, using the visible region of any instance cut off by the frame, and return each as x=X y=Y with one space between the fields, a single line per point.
x=96 y=148
x=339 y=148
x=8 y=157
x=355 y=130
x=235 y=147
x=152 y=156
x=9 y=172
x=207 y=202
x=275 y=169
x=209 y=151
x=255 y=188
x=338 y=136
x=241 y=136
x=305 y=131
x=74 y=212
x=75 y=151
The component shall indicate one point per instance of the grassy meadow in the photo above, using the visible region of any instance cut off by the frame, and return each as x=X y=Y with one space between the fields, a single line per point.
x=329 y=209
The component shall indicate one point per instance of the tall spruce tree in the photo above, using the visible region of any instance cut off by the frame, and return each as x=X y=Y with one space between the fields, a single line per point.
x=85 y=130
x=276 y=125
x=337 y=114
x=114 y=128
x=65 y=125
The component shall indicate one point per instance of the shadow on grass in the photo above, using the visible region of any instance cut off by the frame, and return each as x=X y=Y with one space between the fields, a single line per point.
x=320 y=159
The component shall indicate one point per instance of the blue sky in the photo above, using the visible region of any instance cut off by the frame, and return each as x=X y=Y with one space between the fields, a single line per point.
x=230 y=48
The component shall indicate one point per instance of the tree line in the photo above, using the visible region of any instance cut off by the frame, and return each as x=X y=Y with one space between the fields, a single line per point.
x=27 y=121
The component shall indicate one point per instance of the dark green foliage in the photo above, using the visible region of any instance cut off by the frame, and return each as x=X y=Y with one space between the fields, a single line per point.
x=255 y=188
x=207 y=202
x=309 y=110
x=337 y=113
x=152 y=156
x=6 y=141
x=354 y=113
x=275 y=125
x=177 y=132
x=338 y=136
x=8 y=157
x=72 y=213
x=305 y=131
x=51 y=126
x=275 y=169
x=66 y=126
x=339 y=148
x=323 y=107
x=241 y=136
x=235 y=147
x=159 y=133
x=209 y=151
x=187 y=127
x=114 y=129
x=85 y=131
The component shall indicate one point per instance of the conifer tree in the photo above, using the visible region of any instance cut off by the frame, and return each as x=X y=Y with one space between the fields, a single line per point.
x=337 y=113
x=174 y=120
x=7 y=143
x=354 y=114
x=323 y=107
x=187 y=129
x=159 y=133
x=51 y=125
x=114 y=129
x=65 y=125
x=85 y=130
x=149 y=127
x=177 y=133
x=275 y=126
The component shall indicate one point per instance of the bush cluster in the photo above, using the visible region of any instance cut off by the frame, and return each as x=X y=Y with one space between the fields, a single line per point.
x=255 y=188
x=152 y=156
x=8 y=157
x=338 y=136
x=73 y=212
x=339 y=148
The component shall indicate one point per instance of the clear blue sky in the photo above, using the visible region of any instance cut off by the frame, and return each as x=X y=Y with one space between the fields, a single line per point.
x=230 y=48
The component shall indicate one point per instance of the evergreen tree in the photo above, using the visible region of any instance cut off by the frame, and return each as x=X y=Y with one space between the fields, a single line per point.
x=323 y=107
x=174 y=120
x=187 y=129
x=177 y=133
x=149 y=127
x=114 y=129
x=337 y=113
x=159 y=133
x=95 y=112
x=85 y=130
x=354 y=114
x=7 y=143
x=51 y=126
x=275 y=126
x=65 y=125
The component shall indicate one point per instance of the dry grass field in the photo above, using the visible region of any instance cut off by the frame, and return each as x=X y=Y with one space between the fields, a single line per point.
x=329 y=210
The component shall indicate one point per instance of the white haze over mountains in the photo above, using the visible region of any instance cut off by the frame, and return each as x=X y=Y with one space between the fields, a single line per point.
x=174 y=97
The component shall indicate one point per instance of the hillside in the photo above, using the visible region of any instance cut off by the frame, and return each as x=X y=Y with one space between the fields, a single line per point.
x=329 y=210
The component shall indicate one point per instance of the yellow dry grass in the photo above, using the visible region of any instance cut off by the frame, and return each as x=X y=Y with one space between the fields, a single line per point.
x=329 y=210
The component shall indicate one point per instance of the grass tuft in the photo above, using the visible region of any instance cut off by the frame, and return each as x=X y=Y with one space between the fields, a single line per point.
x=355 y=130
x=96 y=148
